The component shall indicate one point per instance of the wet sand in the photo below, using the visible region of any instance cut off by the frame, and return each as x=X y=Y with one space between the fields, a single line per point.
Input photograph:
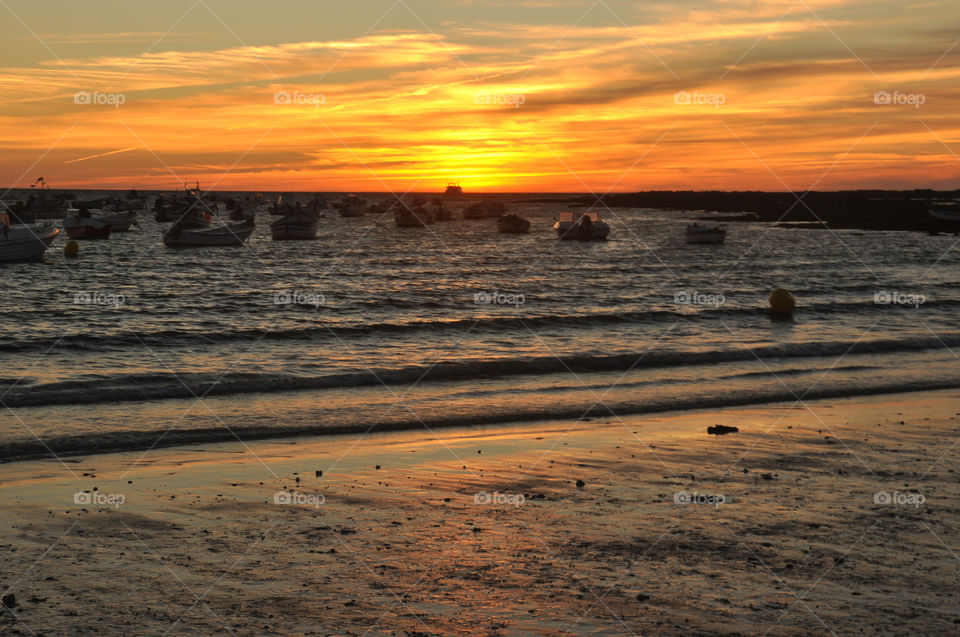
x=770 y=530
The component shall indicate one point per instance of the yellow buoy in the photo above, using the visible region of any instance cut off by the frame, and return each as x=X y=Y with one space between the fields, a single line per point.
x=71 y=249
x=782 y=302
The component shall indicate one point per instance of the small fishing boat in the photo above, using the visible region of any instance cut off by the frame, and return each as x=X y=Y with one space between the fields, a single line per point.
x=189 y=207
x=83 y=226
x=234 y=234
x=351 y=206
x=586 y=226
x=512 y=224
x=43 y=205
x=26 y=243
x=407 y=218
x=705 y=234
x=297 y=226
x=192 y=216
x=945 y=211
x=119 y=221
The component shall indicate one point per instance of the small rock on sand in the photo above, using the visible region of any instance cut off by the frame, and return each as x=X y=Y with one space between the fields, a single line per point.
x=720 y=430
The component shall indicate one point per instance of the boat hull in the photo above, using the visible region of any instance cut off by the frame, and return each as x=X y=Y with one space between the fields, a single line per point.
x=119 y=221
x=26 y=244
x=294 y=232
x=573 y=232
x=233 y=235
x=513 y=225
x=944 y=213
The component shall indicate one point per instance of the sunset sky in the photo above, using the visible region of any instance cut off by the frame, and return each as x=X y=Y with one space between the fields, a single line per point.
x=499 y=95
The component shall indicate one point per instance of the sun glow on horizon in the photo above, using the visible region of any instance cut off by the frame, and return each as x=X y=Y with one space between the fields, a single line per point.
x=698 y=98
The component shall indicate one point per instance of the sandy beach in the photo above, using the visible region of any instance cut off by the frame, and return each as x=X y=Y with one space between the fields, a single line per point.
x=645 y=525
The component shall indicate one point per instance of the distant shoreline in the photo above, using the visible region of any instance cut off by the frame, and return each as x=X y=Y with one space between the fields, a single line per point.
x=892 y=210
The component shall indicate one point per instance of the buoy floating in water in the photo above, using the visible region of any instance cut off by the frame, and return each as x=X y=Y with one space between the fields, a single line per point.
x=71 y=249
x=782 y=302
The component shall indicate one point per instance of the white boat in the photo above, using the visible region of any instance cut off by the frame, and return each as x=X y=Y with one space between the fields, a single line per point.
x=26 y=243
x=297 y=226
x=705 y=234
x=947 y=211
x=82 y=226
x=119 y=221
x=234 y=234
x=586 y=226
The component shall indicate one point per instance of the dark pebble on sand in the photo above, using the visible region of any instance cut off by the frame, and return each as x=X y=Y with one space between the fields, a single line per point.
x=318 y=474
x=581 y=484
x=10 y=600
x=642 y=597
x=720 y=430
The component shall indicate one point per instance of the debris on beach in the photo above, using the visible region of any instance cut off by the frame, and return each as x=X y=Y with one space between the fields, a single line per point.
x=721 y=430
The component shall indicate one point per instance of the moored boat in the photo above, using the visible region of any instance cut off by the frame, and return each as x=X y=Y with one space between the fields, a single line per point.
x=234 y=234
x=407 y=218
x=512 y=224
x=351 y=206
x=26 y=243
x=43 y=205
x=297 y=226
x=945 y=211
x=119 y=221
x=83 y=226
x=696 y=233
x=586 y=226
